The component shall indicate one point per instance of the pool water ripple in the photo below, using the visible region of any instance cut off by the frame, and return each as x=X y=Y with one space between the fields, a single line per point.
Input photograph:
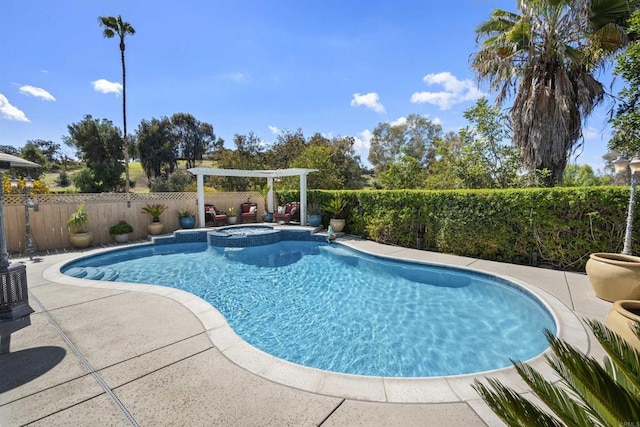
x=333 y=308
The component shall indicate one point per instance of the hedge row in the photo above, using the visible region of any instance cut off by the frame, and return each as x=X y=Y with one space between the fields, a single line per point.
x=555 y=227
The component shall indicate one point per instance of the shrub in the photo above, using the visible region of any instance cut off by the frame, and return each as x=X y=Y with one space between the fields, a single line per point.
x=122 y=227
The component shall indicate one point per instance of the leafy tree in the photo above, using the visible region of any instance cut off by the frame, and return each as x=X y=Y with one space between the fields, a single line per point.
x=442 y=172
x=588 y=393
x=249 y=154
x=194 y=137
x=583 y=176
x=627 y=119
x=8 y=149
x=32 y=153
x=287 y=147
x=343 y=155
x=176 y=182
x=412 y=138
x=157 y=147
x=116 y=26
x=550 y=52
x=99 y=145
x=484 y=160
x=405 y=173
x=317 y=155
x=49 y=149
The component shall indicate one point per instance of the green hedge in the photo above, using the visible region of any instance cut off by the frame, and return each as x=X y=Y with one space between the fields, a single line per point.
x=555 y=227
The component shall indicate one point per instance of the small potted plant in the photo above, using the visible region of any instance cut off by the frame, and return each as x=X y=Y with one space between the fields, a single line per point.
x=77 y=223
x=187 y=218
x=314 y=214
x=232 y=217
x=120 y=231
x=335 y=207
x=155 y=226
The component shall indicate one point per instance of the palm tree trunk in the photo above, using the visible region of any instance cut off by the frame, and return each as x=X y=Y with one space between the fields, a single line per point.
x=124 y=120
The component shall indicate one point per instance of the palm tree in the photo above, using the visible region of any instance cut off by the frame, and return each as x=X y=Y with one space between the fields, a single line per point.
x=588 y=394
x=548 y=55
x=116 y=26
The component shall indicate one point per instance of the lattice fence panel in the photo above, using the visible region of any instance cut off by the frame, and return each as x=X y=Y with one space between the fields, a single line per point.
x=49 y=222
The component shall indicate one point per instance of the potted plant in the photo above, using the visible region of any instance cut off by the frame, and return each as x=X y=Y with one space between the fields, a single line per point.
x=314 y=214
x=232 y=215
x=120 y=231
x=264 y=192
x=187 y=218
x=77 y=223
x=621 y=317
x=614 y=276
x=155 y=226
x=335 y=208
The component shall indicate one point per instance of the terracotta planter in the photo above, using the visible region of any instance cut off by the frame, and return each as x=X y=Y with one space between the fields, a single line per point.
x=614 y=276
x=155 y=228
x=81 y=240
x=337 y=224
x=621 y=317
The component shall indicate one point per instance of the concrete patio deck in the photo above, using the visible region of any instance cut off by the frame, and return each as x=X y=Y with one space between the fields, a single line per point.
x=103 y=353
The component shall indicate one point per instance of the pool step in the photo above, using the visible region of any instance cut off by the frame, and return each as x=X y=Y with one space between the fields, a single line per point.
x=93 y=273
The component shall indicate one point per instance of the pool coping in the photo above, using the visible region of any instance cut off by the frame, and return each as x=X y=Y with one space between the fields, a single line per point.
x=444 y=389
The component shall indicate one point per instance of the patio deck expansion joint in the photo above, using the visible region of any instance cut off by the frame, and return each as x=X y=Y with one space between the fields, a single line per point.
x=86 y=364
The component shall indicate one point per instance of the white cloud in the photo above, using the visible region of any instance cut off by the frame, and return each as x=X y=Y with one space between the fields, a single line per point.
x=105 y=86
x=362 y=141
x=8 y=111
x=37 y=92
x=591 y=133
x=399 y=121
x=369 y=100
x=236 y=77
x=455 y=91
x=274 y=130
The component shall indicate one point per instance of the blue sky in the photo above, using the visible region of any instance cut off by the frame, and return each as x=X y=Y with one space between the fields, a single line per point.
x=334 y=67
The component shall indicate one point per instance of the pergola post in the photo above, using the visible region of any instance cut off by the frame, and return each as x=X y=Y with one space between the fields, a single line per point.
x=200 y=180
x=303 y=199
x=269 y=206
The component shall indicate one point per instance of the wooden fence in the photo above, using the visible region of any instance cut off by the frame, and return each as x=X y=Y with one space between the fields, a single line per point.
x=49 y=221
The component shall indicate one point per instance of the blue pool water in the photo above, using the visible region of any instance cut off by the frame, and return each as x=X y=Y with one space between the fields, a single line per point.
x=333 y=308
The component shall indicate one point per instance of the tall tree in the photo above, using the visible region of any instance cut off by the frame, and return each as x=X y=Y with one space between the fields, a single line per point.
x=99 y=146
x=194 y=137
x=116 y=26
x=627 y=120
x=550 y=52
x=412 y=138
x=157 y=147
x=49 y=149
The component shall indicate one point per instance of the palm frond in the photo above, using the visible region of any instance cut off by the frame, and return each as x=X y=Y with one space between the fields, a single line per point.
x=557 y=399
x=511 y=407
x=624 y=357
x=605 y=400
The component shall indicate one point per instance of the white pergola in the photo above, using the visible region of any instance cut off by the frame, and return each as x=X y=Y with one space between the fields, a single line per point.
x=268 y=174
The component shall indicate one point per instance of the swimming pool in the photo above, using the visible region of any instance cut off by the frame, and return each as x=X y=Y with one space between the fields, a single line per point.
x=333 y=308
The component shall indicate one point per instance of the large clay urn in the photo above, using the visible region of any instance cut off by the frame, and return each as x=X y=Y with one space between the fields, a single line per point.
x=620 y=318
x=337 y=224
x=81 y=240
x=155 y=228
x=614 y=276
